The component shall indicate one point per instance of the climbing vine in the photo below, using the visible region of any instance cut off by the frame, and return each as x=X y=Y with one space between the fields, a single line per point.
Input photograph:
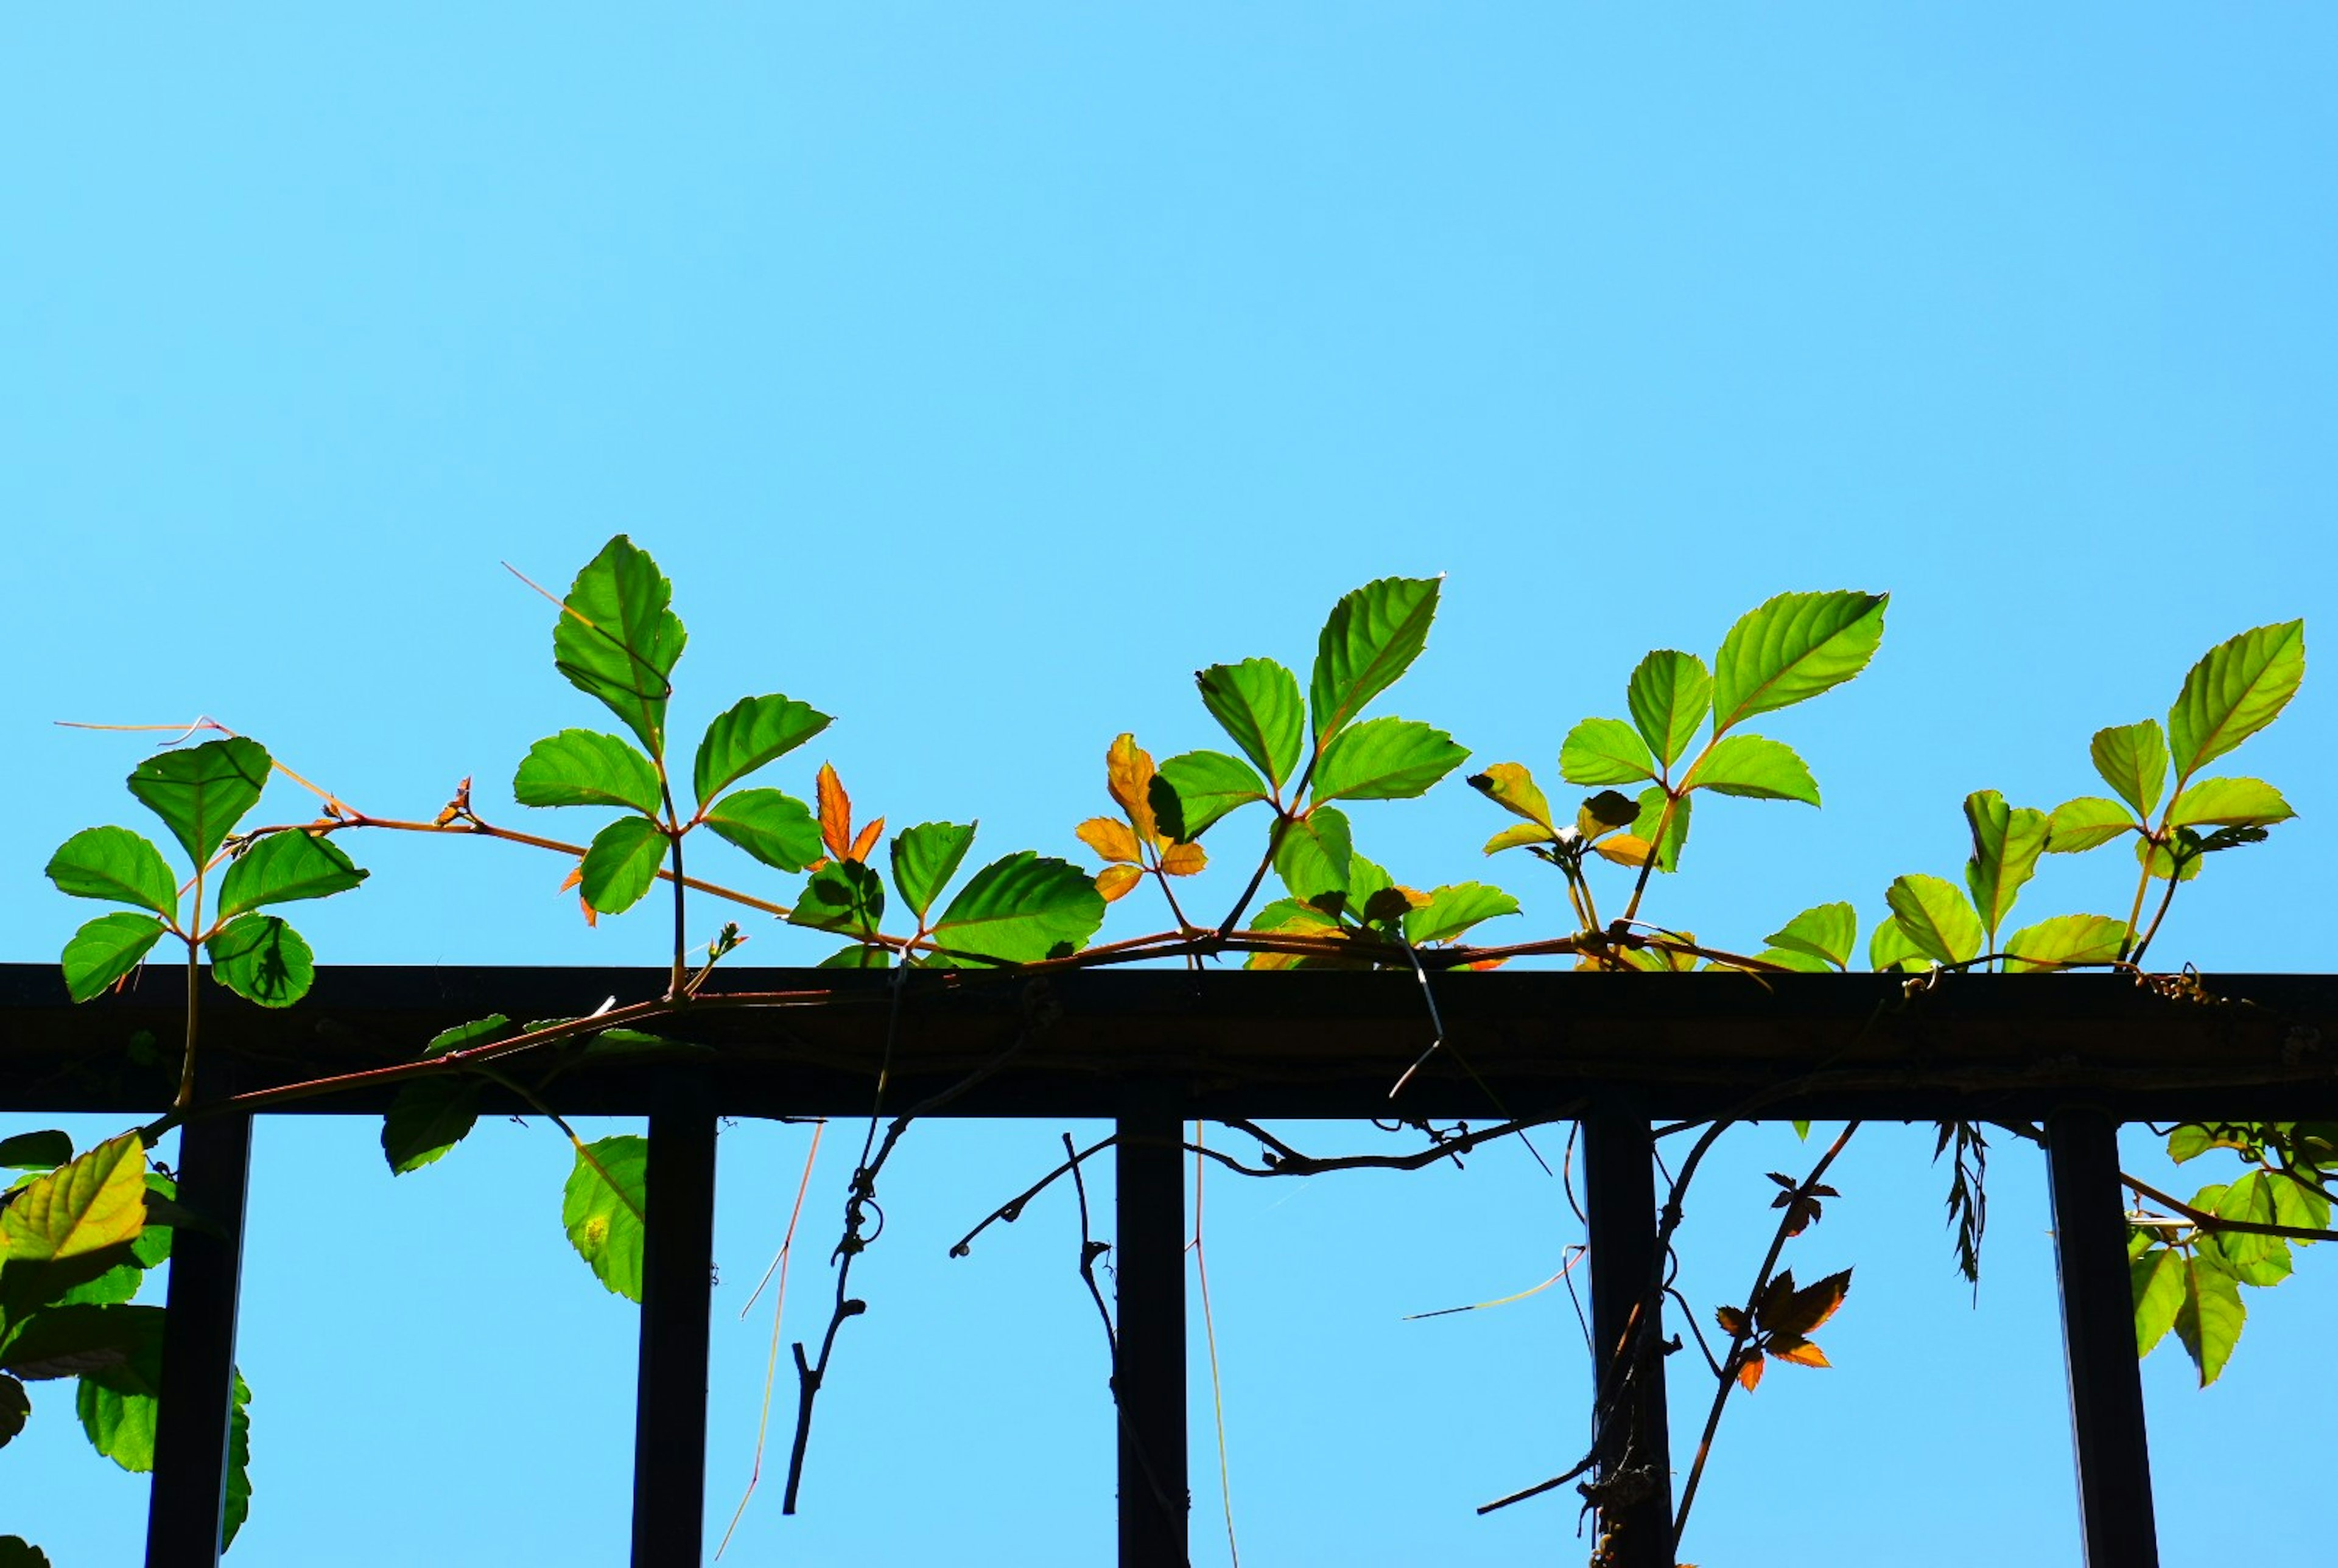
x=80 y=1231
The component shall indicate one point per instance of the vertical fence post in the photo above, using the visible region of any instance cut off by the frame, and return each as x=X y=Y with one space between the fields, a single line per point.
x=188 y=1500
x=2098 y=1341
x=1149 y=1387
x=677 y=1296
x=1633 y=1444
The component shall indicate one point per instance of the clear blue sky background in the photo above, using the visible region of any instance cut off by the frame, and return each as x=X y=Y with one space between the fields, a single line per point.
x=978 y=372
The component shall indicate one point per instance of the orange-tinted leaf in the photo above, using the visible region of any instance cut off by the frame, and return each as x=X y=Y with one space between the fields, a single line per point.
x=1625 y=849
x=1128 y=773
x=867 y=841
x=1486 y=963
x=1749 y=1373
x=835 y=813
x=1797 y=1349
x=1803 y=1310
x=1774 y=1298
x=1110 y=838
x=1732 y=1321
x=1183 y=859
x=576 y=877
x=1114 y=881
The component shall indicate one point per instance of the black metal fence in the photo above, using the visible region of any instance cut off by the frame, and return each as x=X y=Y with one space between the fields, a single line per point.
x=1151 y=1050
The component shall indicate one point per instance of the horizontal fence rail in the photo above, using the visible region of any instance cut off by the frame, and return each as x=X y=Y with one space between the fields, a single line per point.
x=2074 y=1054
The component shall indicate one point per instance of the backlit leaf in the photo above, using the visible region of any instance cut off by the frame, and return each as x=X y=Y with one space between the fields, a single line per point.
x=2230 y=803
x=1372 y=636
x=1385 y=760
x=1605 y=751
x=261 y=959
x=1792 y=648
x=117 y=864
x=85 y=1206
x=1192 y=791
x=773 y=826
x=1452 y=910
x=1936 y=918
x=1315 y=855
x=1111 y=838
x=1605 y=812
x=1183 y=859
x=1509 y=786
x=835 y=813
x=617 y=638
x=1626 y=850
x=2250 y=1257
x=1800 y=1351
x=2065 y=940
x=202 y=792
x=622 y=862
x=1755 y=767
x=585 y=768
x=2085 y=823
x=751 y=733
x=1670 y=695
x=925 y=857
x=1892 y=948
x=1128 y=775
x=2157 y=1279
x=1827 y=932
x=1511 y=837
x=2209 y=1317
x=2133 y=761
x=2007 y=841
x=2236 y=688
x=105 y=949
x=1803 y=1312
x=1020 y=909
x=283 y=868
x=2194 y=1139
x=1257 y=703
x=841 y=895
x=2178 y=857
x=1116 y=881
x=1674 y=825
x=602 y=1209
x=428 y=1117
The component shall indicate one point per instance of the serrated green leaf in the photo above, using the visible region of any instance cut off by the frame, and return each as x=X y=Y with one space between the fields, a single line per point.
x=1676 y=833
x=860 y=956
x=2133 y=761
x=1605 y=751
x=1935 y=917
x=2194 y=1139
x=1192 y=791
x=428 y=1117
x=1019 y=909
x=1791 y=649
x=1454 y=909
x=2085 y=823
x=586 y=768
x=1512 y=788
x=117 y=1401
x=751 y=733
x=261 y=959
x=42 y=1151
x=1670 y=696
x=117 y=864
x=925 y=857
x=617 y=638
x=2007 y=841
x=2250 y=1257
x=1787 y=958
x=200 y=793
x=2163 y=861
x=842 y=896
x=2065 y=940
x=463 y=1036
x=601 y=1208
x=773 y=826
x=2236 y=688
x=2230 y=803
x=1316 y=854
x=89 y=1205
x=1755 y=767
x=284 y=868
x=1385 y=760
x=1827 y=932
x=237 y=1503
x=2157 y=1279
x=1257 y=703
x=1372 y=636
x=622 y=862
x=105 y=949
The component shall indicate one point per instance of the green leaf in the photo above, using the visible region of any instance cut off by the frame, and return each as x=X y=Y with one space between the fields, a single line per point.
x=428 y=1117
x=602 y=1209
x=2157 y=1280
x=284 y=867
x=2065 y=940
x=1652 y=811
x=15 y=1405
x=2085 y=823
x=1193 y=791
x=53 y=1342
x=1826 y=931
x=1792 y=648
x=1315 y=855
x=1669 y=696
x=925 y=857
x=622 y=863
x=751 y=733
x=2133 y=761
x=1372 y=637
x=1605 y=751
x=841 y=895
x=2230 y=803
x=1452 y=910
x=617 y=638
x=1754 y=766
x=105 y=949
x=1789 y=958
x=2209 y=1319
x=1257 y=703
x=1385 y=760
x=121 y=1281
x=2194 y=1139
x=261 y=959
x=200 y=793
x=118 y=1402
x=1935 y=917
x=2179 y=858
x=860 y=956
x=775 y=827
x=1512 y=837
x=114 y=864
x=1020 y=909
x=42 y=1151
x=1509 y=786
x=2007 y=841
x=461 y=1036
x=2252 y=1259
x=88 y=1206
x=586 y=768
x=238 y=1501
x=2236 y=688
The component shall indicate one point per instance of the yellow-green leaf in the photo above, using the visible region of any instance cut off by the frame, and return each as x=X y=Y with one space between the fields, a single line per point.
x=2230 y=803
x=1372 y=637
x=617 y=638
x=1935 y=918
x=2007 y=841
x=90 y=1203
x=2065 y=940
x=1512 y=788
x=1755 y=767
x=1605 y=751
x=1792 y=648
x=2085 y=823
x=1670 y=694
x=602 y=1209
x=2236 y=688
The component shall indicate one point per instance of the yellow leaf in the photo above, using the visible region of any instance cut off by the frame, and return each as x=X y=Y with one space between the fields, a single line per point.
x=1625 y=850
x=1511 y=837
x=1183 y=859
x=1110 y=838
x=835 y=813
x=1800 y=1352
x=95 y=1201
x=1114 y=881
x=1128 y=773
x=1509 y=786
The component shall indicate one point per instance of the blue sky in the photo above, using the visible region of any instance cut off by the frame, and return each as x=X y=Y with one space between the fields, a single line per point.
x=976 y=373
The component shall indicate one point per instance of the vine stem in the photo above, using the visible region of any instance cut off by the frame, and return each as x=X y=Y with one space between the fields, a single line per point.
x=186 y=1095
